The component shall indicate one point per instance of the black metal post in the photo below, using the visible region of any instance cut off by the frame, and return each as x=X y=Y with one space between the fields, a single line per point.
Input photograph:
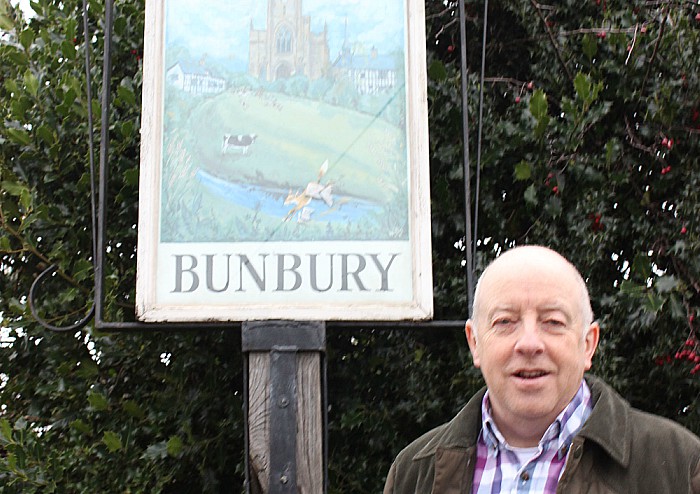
x=284 y=340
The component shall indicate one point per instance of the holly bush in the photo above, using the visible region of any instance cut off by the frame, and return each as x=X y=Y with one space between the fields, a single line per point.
x=589 y=145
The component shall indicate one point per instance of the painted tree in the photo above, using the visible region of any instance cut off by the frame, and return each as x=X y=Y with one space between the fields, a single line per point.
x=590 y=145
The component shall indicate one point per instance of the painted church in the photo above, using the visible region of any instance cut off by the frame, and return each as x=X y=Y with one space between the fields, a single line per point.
x=286 y=46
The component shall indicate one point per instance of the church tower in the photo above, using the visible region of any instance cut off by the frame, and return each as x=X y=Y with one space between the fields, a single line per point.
x=287 y=47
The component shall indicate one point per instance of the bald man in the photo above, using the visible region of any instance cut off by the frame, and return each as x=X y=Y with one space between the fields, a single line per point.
x=540 y=426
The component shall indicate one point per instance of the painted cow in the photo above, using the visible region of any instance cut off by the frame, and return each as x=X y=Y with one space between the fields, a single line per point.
x=237 y=143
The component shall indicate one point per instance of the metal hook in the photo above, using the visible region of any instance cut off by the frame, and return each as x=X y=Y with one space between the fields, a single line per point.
x=59 y=329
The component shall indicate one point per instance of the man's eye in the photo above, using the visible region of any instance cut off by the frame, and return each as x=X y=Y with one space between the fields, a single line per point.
x=503 y=321
x=554 y=323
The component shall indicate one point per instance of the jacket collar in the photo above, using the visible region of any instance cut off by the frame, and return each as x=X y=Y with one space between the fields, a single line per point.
x=609 y=423
x=608 y=426
x=461 y=432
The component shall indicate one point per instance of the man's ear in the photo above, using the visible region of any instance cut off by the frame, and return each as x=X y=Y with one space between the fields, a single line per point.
x=470 y=331
x=590 y=343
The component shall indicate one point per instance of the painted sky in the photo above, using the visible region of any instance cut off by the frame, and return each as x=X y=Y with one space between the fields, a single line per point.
x=219 y=27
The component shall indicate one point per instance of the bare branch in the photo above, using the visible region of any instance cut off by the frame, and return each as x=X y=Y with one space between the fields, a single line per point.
x=552 y=40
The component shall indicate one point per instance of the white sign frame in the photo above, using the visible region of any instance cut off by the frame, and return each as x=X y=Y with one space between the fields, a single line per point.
x=336 y=278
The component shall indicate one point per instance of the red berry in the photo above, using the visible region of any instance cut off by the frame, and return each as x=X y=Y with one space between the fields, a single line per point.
x=684 y=230
x=555 y=189
x=643 y=29
x=670 y=143
x=697 y=17
x=530 y=85
x=601 y=34
x=664 y=142
x=517 y=99
x=451 y=48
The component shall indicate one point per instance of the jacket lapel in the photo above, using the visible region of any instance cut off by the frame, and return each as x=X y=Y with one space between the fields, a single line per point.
x=453 y=469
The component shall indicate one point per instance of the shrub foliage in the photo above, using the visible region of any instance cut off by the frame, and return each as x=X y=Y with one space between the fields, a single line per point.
x=589 y=144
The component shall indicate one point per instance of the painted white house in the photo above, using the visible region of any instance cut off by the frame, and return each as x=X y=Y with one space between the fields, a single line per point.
x=370 y=73
x=194 y=79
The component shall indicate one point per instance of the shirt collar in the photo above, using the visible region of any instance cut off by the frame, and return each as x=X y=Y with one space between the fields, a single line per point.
x=558 y=435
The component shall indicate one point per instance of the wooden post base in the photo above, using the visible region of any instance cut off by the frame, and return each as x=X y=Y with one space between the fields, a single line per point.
x=285 y=403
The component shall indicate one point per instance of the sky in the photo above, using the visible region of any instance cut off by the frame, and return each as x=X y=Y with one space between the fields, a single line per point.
x=203 y=23
x=23 y=5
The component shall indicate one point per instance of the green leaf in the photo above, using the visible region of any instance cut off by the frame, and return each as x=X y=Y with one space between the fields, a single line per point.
x=19 y=136
x=112 y=441
x=590 y=46
x=68 y=99
x=126 y=95
x=14 y=188
x=31 y=83
x=538 y=104
x=6 y=23
x=131 y=176
x=641 y=267
x=133 y=409
x=80 y=426
x=127 y=128
x=5 y=431
x=653 y=303
x=666 y=284
x=631 y=288
x=437 y=71
x=19 y=58
x=98 y=401
x=25 y=199
x=46 y=134
x=530 y=195
x=11 y=86
x=582 y=85
x=541 y=126
x=174 y=446
x=612 y=151
x=26 y=38
x=156 y=451
x=523 y=171
x=68 y=49
x=88 y=369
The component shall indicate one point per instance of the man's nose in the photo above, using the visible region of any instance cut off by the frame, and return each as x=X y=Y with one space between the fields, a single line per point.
x=529 y=339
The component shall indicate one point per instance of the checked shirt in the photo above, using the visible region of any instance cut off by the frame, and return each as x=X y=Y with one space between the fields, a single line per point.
x=501 y=468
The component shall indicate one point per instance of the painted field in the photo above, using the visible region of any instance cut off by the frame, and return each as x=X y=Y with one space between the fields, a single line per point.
x=340 y=171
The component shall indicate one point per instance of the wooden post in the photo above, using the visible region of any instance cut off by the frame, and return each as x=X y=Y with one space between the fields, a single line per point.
x=285 y=433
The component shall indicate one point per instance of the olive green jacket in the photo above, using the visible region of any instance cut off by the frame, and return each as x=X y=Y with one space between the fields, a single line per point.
x=619 y=450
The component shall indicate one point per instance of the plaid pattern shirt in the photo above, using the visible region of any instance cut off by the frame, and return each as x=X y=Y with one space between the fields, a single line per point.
x=498 y=469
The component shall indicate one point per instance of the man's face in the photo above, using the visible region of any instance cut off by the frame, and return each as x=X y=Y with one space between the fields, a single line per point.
x=529 y=338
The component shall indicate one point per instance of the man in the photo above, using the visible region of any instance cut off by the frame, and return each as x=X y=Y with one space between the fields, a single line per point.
x=539 y=426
